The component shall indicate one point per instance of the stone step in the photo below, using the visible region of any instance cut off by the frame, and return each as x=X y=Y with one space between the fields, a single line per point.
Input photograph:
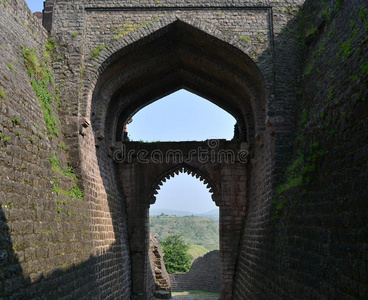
x=162 y=295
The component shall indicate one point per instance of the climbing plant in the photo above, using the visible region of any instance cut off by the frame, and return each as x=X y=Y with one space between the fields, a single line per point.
x=41 y=80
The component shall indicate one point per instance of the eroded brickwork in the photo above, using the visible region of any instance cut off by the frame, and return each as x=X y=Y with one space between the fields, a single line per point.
x=162 y=284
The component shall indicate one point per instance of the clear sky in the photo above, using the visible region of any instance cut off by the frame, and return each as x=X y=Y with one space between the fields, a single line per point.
x=181 y=116
x=184 y=193
x=35 y=5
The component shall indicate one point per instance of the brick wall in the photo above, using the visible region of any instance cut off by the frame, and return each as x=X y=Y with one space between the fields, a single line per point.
x=305 y=241
x=204 y=274
x=50 y=234
x=314 y=247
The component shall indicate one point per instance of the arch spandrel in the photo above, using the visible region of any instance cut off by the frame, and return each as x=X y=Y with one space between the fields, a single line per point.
x=159 y=27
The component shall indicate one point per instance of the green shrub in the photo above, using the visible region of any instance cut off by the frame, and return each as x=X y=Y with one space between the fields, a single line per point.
x=176 y=258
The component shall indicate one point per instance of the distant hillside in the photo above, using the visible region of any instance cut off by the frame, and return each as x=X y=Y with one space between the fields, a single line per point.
x=211 y=213
x=169 y=212
x=196 y=251
x=200 y=231
x=214 y=214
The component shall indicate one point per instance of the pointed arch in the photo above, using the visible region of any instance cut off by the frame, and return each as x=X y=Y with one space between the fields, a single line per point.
x=169 y=55
x=184 y=168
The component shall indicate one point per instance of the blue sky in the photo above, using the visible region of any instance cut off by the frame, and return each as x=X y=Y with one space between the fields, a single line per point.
x=181 y=116
x=35 y=5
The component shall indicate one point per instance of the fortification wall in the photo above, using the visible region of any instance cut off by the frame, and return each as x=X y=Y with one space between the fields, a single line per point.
x=94 y=34
x=315 y=245
x=49 y=229
x=303 y=238
x=204 y=274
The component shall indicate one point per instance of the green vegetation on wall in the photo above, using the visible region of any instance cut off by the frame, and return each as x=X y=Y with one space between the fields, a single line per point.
x=299 y=173
x=3 y=96
x=324 y=49
x=74 y=192
x=41 y=82
x=120 y=32
x=43 y=85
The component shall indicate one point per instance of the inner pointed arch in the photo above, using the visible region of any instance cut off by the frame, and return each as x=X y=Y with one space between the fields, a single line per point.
x=184 y=168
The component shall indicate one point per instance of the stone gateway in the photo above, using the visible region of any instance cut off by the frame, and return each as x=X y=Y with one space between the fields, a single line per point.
x=291 y=189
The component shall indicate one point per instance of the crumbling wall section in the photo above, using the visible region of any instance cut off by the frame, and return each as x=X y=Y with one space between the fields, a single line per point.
x=161 y=279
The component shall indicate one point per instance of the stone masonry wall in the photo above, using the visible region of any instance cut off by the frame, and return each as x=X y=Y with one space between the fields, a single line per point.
x=204 y=274
x=97 y=29
x=50 y=221
x=161 y=280
x=316 y=244
x=305 y=232
x=91 y=35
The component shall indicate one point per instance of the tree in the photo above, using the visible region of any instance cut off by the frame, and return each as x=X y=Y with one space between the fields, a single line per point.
x=176 y=257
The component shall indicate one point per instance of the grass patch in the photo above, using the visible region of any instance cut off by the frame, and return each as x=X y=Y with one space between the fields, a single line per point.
x=129 y=27
x=40 y=78
x=50 y=48
x=96 y=51
x=196 y=251
x=66 y=171
x=4 y=138
x=62 y=146
x=11 y=67
x=32 y=63
x=346 y=48
x=309 y=68
x=46 y=98
x=296 y=175
x=304 y=118
x=15 y=120
x=74 y=192
x=200 y=293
